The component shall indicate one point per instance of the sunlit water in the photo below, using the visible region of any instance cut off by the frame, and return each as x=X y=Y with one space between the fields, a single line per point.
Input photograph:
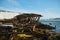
x=57 y=24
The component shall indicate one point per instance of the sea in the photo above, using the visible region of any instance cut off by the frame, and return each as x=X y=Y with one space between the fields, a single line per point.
x=55 y=24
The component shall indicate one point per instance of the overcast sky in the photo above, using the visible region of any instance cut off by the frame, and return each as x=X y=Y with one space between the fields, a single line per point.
x=47 y=8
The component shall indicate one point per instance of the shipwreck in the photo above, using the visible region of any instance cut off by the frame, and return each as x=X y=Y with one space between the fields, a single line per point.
x=25 y=27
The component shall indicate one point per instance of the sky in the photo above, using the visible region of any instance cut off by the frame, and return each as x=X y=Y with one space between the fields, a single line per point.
x=47 y=8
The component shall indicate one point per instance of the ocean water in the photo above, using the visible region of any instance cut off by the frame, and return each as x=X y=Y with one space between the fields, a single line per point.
x=53 y=23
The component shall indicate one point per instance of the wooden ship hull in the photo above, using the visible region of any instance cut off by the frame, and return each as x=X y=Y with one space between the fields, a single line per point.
x=27 y=26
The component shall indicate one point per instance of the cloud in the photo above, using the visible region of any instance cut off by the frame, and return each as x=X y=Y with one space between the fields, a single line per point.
x=20 y=11
x=13 y=2
x=50 y=13
x=7 y=15
x=47 y=13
